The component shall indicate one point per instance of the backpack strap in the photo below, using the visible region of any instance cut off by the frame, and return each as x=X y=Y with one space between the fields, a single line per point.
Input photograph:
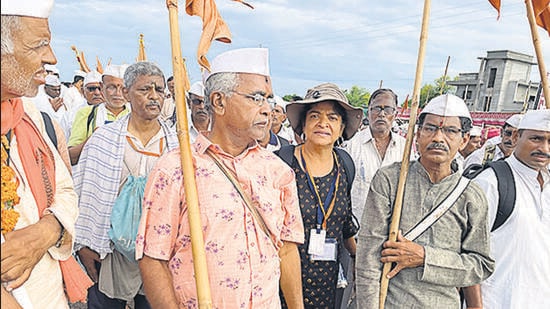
x=91 y=117
x=506 y=192
x=286 y=153
x=49 y=128
x=349 y=166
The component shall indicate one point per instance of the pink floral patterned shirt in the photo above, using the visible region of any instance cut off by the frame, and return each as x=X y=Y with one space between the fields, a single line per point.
x=243 y=263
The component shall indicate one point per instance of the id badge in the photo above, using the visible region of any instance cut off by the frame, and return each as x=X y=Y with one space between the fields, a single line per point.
x=330 y=251
x=316 y=241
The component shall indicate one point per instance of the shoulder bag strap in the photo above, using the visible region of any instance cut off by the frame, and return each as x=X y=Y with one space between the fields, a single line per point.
x=439 y=211
x=244 y=196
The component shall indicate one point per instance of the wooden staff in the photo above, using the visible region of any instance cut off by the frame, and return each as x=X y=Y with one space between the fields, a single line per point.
x=538 y=52
x=191 y=196
x=396 y=215
x=444 y=82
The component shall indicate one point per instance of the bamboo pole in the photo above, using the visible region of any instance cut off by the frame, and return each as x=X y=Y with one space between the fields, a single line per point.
x=191 y=196
x=444 y=82
x=396 y=215
x=538 y=52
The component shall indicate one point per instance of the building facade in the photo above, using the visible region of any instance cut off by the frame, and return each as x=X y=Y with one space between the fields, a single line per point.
x=502 y=84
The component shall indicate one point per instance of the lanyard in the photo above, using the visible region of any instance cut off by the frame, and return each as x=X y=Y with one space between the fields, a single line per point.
x=147 y=153
x=323 y=211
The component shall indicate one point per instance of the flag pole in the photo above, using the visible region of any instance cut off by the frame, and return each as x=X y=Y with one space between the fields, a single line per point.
x=444 y=82
x=191 y=196
x=538 y=52
x=396 y=214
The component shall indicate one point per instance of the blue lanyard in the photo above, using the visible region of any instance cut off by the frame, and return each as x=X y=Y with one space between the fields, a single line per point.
x=324 y=209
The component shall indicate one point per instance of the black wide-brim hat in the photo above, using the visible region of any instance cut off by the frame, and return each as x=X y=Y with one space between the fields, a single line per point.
x=325 y=92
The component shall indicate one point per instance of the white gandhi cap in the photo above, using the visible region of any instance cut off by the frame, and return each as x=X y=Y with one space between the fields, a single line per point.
x=52 y=80
x=538 y=120
x=447 y=105
x=244 y=60
x=514 y=120
x=197 y=89
x=475 y=131
x=115 y=70
x=30 y=8
x=92 y=77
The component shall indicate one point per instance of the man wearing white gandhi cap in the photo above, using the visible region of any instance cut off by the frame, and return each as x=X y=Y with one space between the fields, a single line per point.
x=451 y=251
x=249 y=255
x=521 y=245
x=36 y=253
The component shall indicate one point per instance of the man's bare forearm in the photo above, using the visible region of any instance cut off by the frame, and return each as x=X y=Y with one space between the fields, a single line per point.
x=157 y=282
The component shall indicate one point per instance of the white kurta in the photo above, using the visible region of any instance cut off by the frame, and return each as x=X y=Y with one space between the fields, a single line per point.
x=44 y=286
x=362 y=150
x=42 y=103
x=521 y=246
x=476 y=157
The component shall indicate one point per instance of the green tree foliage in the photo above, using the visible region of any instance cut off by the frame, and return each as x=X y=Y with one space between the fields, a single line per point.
x=291 y=97
x=430 y=91
x=357 y=96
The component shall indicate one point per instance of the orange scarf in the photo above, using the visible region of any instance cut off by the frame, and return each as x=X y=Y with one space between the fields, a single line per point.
x=37 y=159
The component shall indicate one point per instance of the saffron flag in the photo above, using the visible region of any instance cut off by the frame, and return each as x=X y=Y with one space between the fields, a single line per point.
x=541 y=9
x=213 y=26
x=98 y=66
x=542 y=13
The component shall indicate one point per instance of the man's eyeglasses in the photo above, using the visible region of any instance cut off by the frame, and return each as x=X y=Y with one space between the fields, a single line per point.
x=431 y=130
x=507 y=133
x=257 y=98
x=93 y=88
x=378 y=109
x=113 y=88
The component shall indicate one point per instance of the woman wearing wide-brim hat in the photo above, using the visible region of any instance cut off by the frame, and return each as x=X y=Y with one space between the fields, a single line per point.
x=323 y=180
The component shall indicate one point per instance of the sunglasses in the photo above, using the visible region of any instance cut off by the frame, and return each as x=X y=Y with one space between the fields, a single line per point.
x=93 y=88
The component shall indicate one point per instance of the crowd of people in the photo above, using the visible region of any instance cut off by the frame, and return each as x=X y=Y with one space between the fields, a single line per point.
x=295 y=198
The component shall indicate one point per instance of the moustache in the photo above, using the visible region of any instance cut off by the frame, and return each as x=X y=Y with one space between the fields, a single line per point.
x=540 y=153
x=439 y=146
x=507 y=143
x=153 y=103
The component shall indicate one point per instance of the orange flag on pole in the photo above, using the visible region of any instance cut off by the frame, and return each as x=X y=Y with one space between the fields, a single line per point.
x=213 y=26
x=541 y=9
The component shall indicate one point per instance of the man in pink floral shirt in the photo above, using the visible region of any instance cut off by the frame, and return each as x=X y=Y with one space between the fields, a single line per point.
x=246 y=266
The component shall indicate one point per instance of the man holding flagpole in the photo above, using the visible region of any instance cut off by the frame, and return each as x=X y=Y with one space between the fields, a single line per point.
x=248 y=202
x=438 y=252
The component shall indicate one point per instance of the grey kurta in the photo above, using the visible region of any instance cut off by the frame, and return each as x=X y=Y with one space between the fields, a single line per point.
x=456 y=246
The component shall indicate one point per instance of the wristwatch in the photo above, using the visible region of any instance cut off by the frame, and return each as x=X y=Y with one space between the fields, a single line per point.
x=61 y=238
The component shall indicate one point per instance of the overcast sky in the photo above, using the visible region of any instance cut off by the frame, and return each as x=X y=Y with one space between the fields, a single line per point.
x=348 y=42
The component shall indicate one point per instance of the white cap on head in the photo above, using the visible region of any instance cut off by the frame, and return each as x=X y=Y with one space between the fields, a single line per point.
x=197 y=89
x=30 y=8
x=538 y=120
x=514 y=120
x=447 y=105
x=79 y=73
x=92 y=77
x=244 y=60
x=51 y=68
x=115 y=70
x=280 y=102
x=52 y=80
x=475 y=131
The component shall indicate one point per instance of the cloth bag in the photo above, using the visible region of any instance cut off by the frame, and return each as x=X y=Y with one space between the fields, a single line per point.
x=126 y=215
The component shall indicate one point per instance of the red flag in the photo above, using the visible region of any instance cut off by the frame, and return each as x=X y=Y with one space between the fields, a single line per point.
x=213 y=26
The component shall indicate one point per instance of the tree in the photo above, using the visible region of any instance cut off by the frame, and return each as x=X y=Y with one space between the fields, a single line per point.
x=291 y=97
x=430 y=91
x=358 y=96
